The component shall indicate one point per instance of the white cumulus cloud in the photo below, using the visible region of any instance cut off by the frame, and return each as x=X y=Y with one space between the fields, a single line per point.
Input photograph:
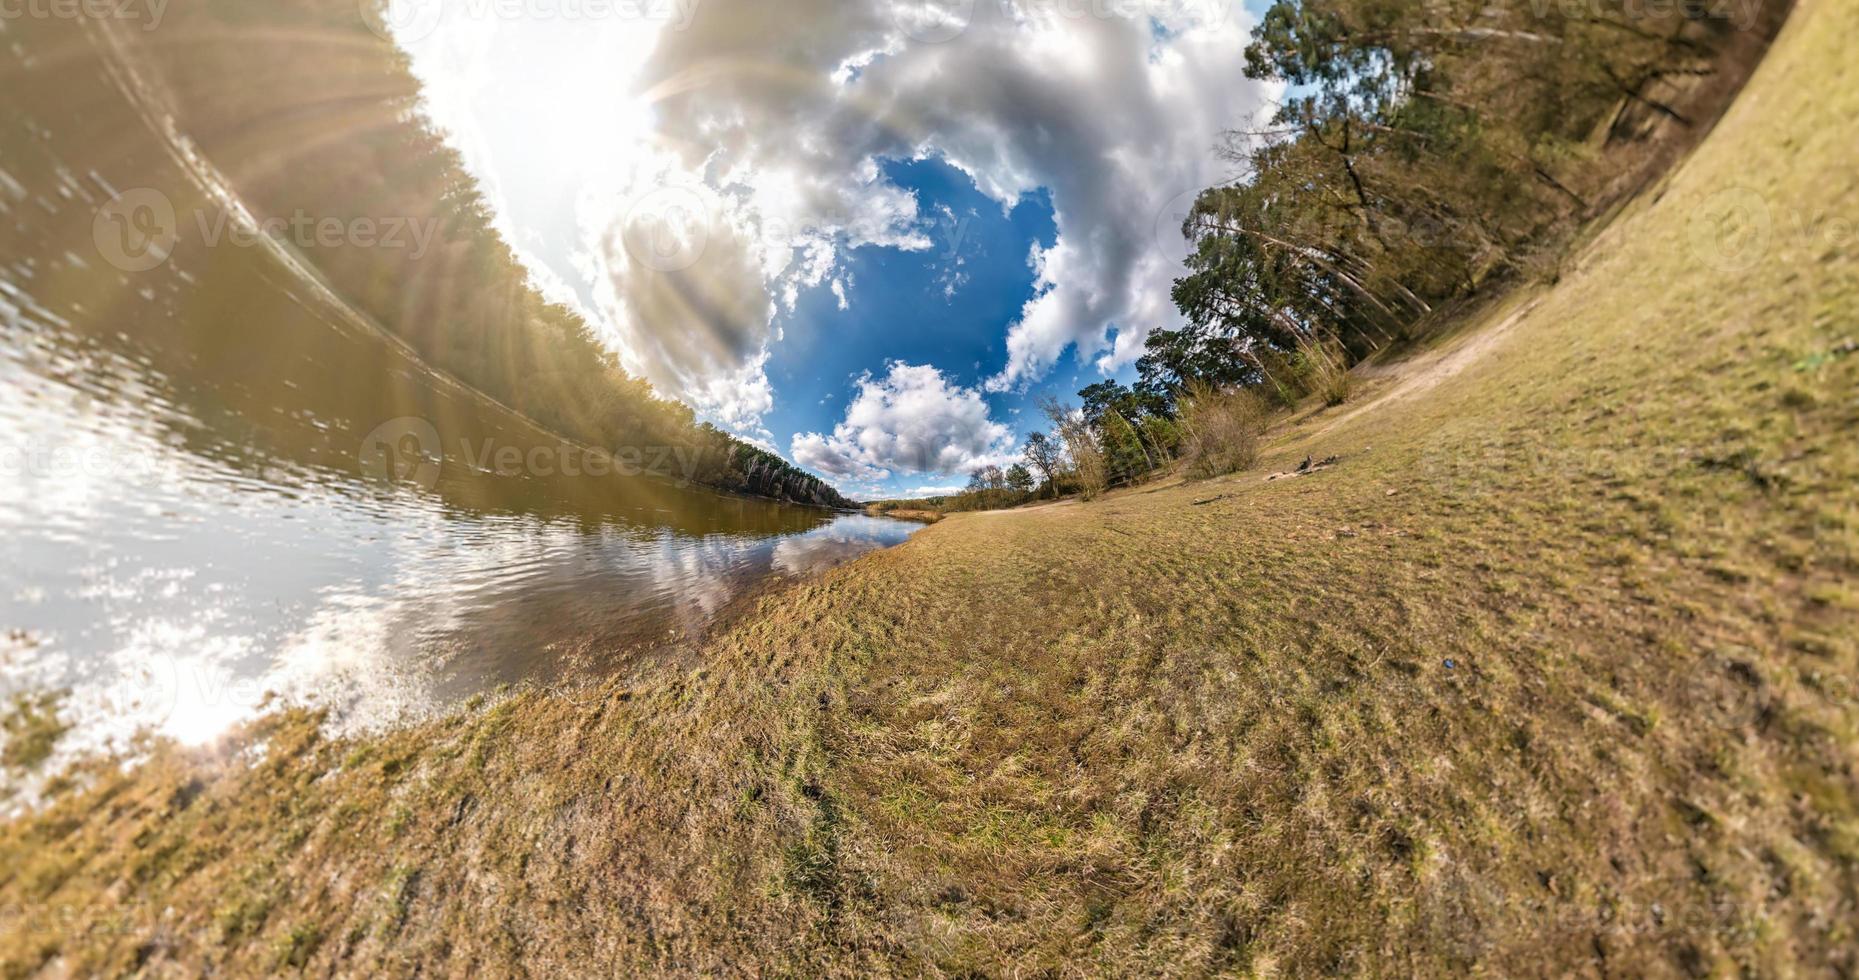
x=911 y=421
x=783 y=114
x=944 y=490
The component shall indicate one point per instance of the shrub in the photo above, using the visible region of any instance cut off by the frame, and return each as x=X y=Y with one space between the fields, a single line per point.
x=1221 y=430
x=1090 y=467
x=1089 y=463
x=1279 y=378
x=1323 y=371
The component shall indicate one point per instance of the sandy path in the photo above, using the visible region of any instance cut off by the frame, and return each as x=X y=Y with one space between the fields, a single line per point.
x=1424 y=373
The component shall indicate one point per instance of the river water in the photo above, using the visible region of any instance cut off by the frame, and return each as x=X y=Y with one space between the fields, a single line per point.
x=217 y=483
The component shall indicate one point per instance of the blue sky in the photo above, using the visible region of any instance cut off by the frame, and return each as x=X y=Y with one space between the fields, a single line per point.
x=947 y=306
x=909 y=228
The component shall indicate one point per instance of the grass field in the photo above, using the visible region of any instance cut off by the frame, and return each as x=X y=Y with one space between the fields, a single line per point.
x=1553 y=672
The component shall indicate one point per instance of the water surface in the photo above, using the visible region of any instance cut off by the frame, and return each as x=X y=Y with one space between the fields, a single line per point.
x=218 y=482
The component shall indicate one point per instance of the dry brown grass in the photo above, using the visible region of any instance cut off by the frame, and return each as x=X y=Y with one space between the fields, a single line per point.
x=1552 y=674
x=1323 y=372
x=1221 y=431
x=919 y=514
x=32 y=729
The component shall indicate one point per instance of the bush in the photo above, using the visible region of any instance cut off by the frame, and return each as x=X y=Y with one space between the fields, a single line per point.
x=1278 y=376
x=1323 y=372
x=1090 y=468
x=1089 y=464
x=1221 y=430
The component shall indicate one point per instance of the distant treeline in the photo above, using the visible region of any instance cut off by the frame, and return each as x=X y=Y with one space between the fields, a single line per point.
x=1424 y=154
x=308 y=112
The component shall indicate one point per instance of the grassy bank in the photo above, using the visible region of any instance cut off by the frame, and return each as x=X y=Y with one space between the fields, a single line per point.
x=920 y=514
x=1552 y=672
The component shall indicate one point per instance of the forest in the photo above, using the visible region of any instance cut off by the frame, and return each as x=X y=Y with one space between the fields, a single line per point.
x=1425 y=158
